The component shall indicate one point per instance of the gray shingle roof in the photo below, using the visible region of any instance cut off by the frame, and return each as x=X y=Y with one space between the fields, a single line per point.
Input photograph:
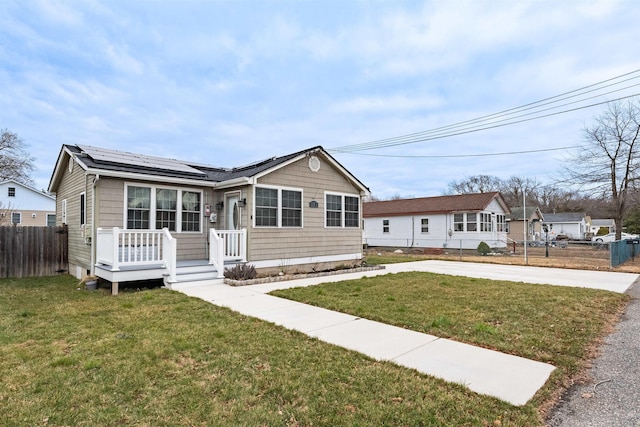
x=564 y=217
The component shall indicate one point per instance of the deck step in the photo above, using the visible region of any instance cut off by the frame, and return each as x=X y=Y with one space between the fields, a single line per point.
x=194 y=273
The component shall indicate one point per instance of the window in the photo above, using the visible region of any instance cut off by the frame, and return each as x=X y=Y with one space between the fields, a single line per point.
x=278 y=207
x=63 y=208
x=12 y=192
x=472 y=222
x=266 y=207
x=51 y=220
x=155 y=208
x=190 y=211
x=351 y=211
x=458 y=222
x=83 y=209
x=334 y=210
x=138 y=207
x=16 y=218
x=424 y=224
x=501 y=223
x=291 y=208
x=166 y=209
x=342 y=210
x=485 y=222
x=385 y=225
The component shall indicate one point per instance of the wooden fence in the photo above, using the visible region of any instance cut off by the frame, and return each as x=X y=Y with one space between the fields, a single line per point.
x=33 y=251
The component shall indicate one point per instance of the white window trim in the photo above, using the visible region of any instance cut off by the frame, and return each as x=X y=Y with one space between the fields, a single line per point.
x=422 y=226
x=152 y=205
x=83 y=212
x=51 y=215
x=279 y=222
x=342 y=195
x=9 y=192
x=63 y=208
x=19 y=216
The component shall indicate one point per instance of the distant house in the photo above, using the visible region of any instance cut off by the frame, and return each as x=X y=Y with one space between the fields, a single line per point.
x=135 y=217
x=597 y=224
x=25 y=206
x=460 y=221
x=574 y=225
x=517 y=224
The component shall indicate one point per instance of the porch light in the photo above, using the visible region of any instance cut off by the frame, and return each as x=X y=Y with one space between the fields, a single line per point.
x=242 y=203
x=219 y=206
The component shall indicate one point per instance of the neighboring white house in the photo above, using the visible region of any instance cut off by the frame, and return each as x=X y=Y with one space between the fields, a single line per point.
x=23 y=205
x=460 y=221
x=607 y=224
x=574 y=225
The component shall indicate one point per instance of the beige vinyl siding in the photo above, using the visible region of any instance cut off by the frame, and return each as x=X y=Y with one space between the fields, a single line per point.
x=27 y=217
x=313 y=239
x=111 y=208
x=72 y=184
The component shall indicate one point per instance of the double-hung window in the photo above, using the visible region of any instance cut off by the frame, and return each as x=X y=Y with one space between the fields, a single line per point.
x=385 y=225
x=138 y=207
x=424 y=225
x=458 y=222
x=485 y=222
x=291 y=208
x=278 y=207
x=190 y=211
x=472 y=222
x=342 y=210
x=166 y=209
x=11 y=192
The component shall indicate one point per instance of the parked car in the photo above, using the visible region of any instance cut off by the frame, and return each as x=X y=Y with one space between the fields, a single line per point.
x=611 y=237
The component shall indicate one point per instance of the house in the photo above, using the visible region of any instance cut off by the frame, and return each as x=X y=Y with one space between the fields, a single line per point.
x=597 y=224
x=460 y=221
x=137 y=217
x=574 y=225
x=26 y=206
x=517 y=223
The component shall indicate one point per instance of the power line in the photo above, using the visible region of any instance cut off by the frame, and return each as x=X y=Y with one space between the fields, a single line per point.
x=542 y=150
x=489 y=121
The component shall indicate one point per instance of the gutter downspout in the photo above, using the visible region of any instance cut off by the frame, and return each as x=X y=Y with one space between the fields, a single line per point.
x=93 y=224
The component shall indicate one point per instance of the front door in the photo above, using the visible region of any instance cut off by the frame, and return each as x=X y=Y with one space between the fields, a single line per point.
x=232 y=219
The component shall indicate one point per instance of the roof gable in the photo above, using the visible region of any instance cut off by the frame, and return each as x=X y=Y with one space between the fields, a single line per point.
x=433 y=205
x=564 y=217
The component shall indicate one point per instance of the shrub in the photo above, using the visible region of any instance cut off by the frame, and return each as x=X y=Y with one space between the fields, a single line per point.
x=483 y=248
x=240 y=272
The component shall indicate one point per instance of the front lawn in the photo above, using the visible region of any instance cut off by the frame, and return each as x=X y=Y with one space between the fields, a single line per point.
x=160 y=358
x=552 y=324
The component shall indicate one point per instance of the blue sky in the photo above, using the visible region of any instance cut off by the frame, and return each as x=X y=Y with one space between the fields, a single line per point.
x=231 y=82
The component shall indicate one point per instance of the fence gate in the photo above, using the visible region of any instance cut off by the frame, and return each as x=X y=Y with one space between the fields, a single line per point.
x=33 y=251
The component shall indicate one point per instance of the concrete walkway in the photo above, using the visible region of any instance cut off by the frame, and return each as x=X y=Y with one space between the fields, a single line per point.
x=510 y=378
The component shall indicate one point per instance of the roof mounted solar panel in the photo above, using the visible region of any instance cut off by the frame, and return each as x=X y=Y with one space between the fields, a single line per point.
x=141 y=160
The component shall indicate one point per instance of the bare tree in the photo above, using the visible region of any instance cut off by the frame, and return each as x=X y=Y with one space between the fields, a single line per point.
x=475 y=184
x=15 y=161
x=5 y=214
x=608 y=164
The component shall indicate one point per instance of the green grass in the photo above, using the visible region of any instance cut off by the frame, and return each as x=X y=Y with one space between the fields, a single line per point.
x=72 y=357
x=159 y=358
x=552 y=324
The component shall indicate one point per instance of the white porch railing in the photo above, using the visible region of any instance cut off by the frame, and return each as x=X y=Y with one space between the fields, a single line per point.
x=216 y=252
x=235 y=244
x=131 y=248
